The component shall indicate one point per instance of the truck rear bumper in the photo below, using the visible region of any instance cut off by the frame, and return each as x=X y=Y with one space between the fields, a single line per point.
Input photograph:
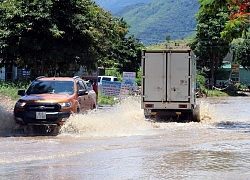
x=167 y=105
x=178 y=115
x=165 y=112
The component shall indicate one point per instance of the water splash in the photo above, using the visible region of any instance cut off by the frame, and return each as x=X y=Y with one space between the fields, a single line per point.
x=7 y=122
x=124 y=119
x=127 y=119
x=206 y=111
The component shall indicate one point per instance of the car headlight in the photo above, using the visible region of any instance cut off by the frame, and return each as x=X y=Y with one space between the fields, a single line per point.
x=66 y=104
x=20 y=104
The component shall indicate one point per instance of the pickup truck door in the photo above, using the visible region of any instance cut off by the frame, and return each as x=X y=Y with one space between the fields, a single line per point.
x=82 y=98
x=85 y=101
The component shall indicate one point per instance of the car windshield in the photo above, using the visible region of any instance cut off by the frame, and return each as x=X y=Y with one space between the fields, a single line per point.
x=51 y=87
x=106 y=79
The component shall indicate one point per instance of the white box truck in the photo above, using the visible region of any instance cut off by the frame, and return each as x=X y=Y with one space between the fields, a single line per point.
x=168 y=87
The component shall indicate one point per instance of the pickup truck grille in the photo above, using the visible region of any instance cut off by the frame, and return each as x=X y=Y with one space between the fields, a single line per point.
x=48 y=107
x=50 y=114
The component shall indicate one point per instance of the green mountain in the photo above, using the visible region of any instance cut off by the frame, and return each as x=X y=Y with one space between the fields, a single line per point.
x=115 y=5
x=152 y=21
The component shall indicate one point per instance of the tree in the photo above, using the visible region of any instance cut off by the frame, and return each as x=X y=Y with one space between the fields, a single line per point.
x=238 y=24
x=124 y=54
x=242 y=52
x=26 y=31
x=207 y=44
x=236 y=27
x=168 y=38
x=238 y=10
x=129 y=54
x=53 y=36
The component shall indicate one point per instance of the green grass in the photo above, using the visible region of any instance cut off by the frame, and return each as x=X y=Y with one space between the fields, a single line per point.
x=106 y=100
x=230 y=91
x=216 y=93
x=10 y=88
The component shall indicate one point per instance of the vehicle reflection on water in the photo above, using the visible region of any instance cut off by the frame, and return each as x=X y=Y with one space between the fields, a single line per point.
x=118 y=143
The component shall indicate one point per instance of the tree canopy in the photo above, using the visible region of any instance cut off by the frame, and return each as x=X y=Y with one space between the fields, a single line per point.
x=220 y=26
x=48 y=36
x=238 y=11
x=207 y=44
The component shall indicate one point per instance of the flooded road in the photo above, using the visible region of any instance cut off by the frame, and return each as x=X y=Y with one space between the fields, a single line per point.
x=118 y=143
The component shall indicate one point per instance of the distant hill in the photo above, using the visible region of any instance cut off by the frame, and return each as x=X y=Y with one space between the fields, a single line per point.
x=115 y=5
x=152 y=20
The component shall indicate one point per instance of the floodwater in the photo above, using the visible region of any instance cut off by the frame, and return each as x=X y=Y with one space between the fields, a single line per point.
x=118 y=143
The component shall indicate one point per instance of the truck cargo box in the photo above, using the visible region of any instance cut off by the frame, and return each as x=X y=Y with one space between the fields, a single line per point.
x=168 y=84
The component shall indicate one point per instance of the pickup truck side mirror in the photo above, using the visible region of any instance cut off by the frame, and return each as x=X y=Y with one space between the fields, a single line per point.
x=82 y=92
x=21 y=92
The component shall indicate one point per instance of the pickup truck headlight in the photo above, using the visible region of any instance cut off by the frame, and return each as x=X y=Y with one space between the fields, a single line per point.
x=66 y=104
x=20 y=104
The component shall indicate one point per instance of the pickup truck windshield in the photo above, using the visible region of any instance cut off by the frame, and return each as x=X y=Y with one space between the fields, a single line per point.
x=51 y=87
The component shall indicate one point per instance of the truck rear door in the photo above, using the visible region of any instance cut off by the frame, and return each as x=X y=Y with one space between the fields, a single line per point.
x=178 y=74
x=166 y=76
x=154 y=82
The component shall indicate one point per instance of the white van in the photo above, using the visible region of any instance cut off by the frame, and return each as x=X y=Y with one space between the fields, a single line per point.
x=105 y=78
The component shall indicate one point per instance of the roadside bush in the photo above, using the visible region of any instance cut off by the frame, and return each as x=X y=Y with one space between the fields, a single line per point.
x=243 y=86
x=10 y=88
x=216 y=93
